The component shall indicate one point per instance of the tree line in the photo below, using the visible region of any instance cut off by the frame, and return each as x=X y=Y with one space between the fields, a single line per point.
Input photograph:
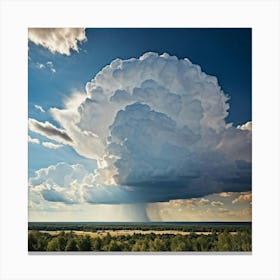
x=96 y=227
x=224 y=241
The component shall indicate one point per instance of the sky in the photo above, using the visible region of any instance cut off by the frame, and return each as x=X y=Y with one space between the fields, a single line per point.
x=139 y=124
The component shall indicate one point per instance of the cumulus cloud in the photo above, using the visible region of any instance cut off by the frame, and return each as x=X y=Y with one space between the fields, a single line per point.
x=59 y=183
x=225 y=194
x=40 y=108
x=183 y=210
x=190 y=202
x=60 y=40
x=246 y=126
x=33 y=140
x=49 y=130
x=243 y=197
x=51 y=145
x=217 y=203
x=156 y=127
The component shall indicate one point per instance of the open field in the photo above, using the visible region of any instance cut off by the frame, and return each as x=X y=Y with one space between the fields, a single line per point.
x=127 y=232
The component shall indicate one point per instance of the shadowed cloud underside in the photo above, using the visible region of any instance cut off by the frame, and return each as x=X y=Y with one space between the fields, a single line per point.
x=156 y=127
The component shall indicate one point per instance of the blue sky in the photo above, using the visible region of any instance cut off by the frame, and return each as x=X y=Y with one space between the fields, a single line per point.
x=224 y=53
x=54 y=76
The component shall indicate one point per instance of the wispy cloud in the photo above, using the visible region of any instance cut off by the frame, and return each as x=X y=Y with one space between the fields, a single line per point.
x=40 y=108
x=217 y=203
x=33 y=140
x=40 y=65
x=49 y=130
x=48 y=66
x=51 y=145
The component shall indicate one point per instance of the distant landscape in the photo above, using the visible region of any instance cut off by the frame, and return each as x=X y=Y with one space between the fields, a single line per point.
x=141 y=237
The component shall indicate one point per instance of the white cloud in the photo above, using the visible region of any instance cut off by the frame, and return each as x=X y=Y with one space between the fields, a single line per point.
x=60 y=40
x=40 y=65
x=33 y=140
x=217 y=203
x=59 y=183
x=204 y=201
x=154 y=124
x=51 y=66
x=40 y=108
x=243 y=197
x=225 y=194
x=71 y=184
x=50 y=145
x=246 y=126
x=194 y=202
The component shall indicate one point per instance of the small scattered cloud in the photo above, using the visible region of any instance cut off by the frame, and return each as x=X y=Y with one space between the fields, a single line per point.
x=40 y=65
x=40 y=108
x=217 y=203
x=243 y=197
x=223 y=210
x=194 y=202
x=58 y=40
x=203 y=201
x=225 y=194
x=49 y=130
x=33 y=140
x=51 y=145
x=50 y=66
x=183 y=211
x=246 y=126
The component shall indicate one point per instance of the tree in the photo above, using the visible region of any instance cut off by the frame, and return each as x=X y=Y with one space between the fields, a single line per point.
x=32 y=241
x=178 y=244
x=224 y=242
x=202 y=243
x=37 y=241
x=114 y=246
x=84 y=243
x=71 y=245
x=62 y=240
x=53 y=245
x=96 y=244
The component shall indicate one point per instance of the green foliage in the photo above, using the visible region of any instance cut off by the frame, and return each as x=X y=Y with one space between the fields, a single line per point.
x=37 y=241
x=71 y=245
x=84 y=243
x=96 y=244
x=213 y=241
x=53 y=245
